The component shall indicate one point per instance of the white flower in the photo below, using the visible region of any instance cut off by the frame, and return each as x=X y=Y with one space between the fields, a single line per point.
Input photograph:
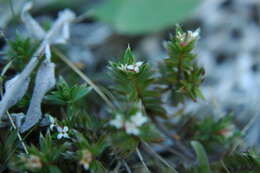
x=189 y=36
x=86 y=159
x=63 y=132
x=131 y=67
x=85 y=166
x=117 y=122
x=181 y=36
x=135 y=67
x=131 y=128
x=122 y=67
x=193 y=35
x=228 y=131
x=138 y=119
x=52 y=121
x=132 y=125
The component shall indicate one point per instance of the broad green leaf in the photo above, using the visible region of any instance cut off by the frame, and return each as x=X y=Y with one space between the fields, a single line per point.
x=142 y=16
x=128 y=57
x=78 y=92
x=201 y=157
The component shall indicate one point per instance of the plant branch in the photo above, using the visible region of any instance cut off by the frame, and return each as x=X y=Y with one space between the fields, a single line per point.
x=153 y=153
x=127 y=167
x=142 y=160
x=84 y=77
x=176 y=143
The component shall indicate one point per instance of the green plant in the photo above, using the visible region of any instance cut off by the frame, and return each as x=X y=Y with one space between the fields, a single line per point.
x=73 y=135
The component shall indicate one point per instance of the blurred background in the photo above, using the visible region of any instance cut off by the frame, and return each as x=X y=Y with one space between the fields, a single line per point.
x=228 y=49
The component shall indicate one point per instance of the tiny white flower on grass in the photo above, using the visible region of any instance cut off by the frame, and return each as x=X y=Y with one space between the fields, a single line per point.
x=122 y=67
x=118 y=122
x=135 y=67
x=52 y=121
x=132 y=125
x=131 y=128
x=193 y=35
x=185 y=38
x=228 y=131
x=86 y=159
x=138 y=119
x=63 y=132
x=181 y=36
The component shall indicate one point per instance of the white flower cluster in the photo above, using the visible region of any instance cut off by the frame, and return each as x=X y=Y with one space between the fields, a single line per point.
x=132 y=125
x=131 y=67
x=189 y=36
x=62 y=131
x=228 y=131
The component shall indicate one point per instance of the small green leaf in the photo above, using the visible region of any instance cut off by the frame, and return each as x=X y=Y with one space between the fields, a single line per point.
x=201 y=157
x=54 y=99
x=128 y=57
x=65 y=94
x=199 y=94
x=79 y=92
x=99 y=147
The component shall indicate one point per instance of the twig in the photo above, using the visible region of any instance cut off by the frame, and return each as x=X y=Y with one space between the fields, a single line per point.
x=127 y=167
x=243 y=131
x=224 y=166
x=83 y=76
x=117 y=167
x=176 y=152
x=6 y=68
x=18 y=134
x=142 y=160
x=159 y=157
x=83 y=16
x=177 y=144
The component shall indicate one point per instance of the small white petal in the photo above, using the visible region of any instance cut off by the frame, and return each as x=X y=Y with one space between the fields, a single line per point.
x=123 y=67
x=130 y=67
x=65 y=129
x=196 y=33
x=65 y=135
x=136 y=69
x=193 y=35
x=60 y=129
x=86 y=166
x=117 y=122
x=138 y=119
x=51 y=119
x=52 y=126
x=131 y=128
x=139 y=63
x=181 y=36
x=59 y=136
